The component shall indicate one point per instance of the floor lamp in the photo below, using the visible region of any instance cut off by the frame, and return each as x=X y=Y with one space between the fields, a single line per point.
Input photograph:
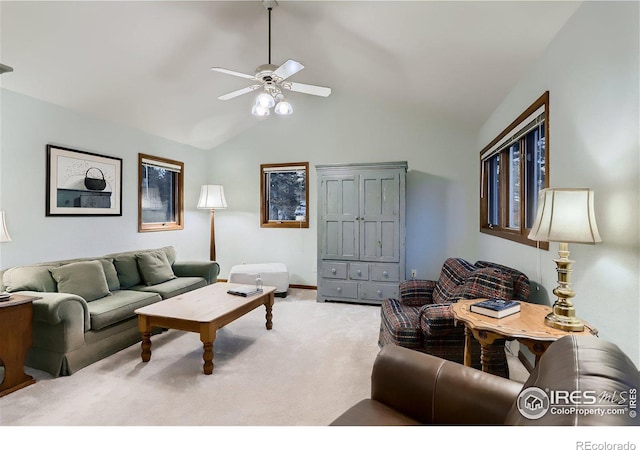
x=212 y=197
x=565 y=215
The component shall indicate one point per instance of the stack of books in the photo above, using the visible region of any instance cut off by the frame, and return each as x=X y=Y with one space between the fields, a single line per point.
x=495 y=307
x=244 y=291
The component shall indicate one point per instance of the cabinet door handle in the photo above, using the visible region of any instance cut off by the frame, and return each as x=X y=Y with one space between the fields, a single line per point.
x=339 y=289
x=359 y=272
x=333 y=270
x=385 y=274
x=379 y=293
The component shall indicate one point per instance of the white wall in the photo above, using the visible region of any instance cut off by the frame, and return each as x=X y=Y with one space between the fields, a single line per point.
x=441 y=217
x=28 y=125
x=591 y=71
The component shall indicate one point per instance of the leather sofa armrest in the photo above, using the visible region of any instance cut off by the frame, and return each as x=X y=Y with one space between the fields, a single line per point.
x=432 y=390
x=416 y=292
x=208 y=270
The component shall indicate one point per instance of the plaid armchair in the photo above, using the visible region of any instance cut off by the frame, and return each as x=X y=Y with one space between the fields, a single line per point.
x=421 y=319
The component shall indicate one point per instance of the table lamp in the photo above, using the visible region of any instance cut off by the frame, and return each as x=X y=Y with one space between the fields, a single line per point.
x=565 y=215
x=4 y=234
x=212 y=197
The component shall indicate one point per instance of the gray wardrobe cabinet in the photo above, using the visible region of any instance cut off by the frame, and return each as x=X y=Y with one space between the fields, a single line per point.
x=361 y=231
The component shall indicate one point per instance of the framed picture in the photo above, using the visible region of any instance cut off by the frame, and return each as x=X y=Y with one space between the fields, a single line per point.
x=82 y=184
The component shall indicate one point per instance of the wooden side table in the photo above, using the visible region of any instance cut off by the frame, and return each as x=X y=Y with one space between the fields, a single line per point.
x=16 y=335
x=527 y=327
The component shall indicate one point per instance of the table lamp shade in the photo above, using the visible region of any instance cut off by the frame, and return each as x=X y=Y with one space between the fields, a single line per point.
x=565 y=215
x=4 y=234
x=212 y=197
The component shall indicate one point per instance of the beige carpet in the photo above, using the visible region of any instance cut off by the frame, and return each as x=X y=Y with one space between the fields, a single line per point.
x=314 y=364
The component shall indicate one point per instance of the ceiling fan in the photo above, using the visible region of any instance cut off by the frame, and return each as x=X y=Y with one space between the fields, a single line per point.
x=273 y=81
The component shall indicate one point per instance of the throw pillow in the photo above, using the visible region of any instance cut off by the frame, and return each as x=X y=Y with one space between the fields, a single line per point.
x=454 y=272
x=86 y=279
x=485 y=283
x=127 y=268
x=111 y=274
x=154 y=267
x=29 y=278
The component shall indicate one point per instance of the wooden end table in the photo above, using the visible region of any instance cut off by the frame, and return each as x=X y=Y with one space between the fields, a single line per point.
x=202 y=311
x=16 y=336
x=526 y=326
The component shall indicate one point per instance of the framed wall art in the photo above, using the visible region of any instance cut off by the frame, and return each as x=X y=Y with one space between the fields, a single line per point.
x=80 y=183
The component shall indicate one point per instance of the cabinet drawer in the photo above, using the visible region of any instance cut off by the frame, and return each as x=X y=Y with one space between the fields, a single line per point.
x=385 y=272
x=358 y=271
x=339 y=289
x=334 y=270
x=378 y=291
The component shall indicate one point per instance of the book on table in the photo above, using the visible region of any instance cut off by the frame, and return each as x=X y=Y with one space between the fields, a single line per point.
x=244 y=291
x=496 y=308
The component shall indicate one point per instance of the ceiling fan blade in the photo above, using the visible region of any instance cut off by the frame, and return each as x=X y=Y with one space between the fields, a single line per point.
x=239 y=92
x=287 y=69
x=309 y=89
x=234 y=73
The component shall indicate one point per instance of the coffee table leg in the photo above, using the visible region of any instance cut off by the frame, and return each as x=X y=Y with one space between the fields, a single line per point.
x=268 y=304
x=146 y=346
x=207 y=337
x=145 y=329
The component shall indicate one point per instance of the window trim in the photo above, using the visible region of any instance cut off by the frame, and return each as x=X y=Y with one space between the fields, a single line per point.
x=519 y=235
x=264 y=216
x=178 y=196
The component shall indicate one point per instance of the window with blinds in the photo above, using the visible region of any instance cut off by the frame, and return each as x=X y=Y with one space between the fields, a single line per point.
x=284 y=195
x=160 y=194
x=514 y=168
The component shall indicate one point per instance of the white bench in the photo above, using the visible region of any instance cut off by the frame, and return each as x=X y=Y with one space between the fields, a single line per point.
x=272 y=274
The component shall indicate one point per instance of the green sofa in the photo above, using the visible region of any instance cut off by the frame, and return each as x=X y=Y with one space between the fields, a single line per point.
x=86 y=307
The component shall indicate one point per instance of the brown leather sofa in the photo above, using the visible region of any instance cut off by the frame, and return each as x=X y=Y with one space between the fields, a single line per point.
x=414 y=388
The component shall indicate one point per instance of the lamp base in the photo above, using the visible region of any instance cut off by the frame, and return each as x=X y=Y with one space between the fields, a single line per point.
x=563 y=318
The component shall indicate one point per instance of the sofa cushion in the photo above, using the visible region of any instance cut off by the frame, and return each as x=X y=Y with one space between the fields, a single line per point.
x=117 y=307
x=173 y=287
x=110 y=273
x=154 y=267
x=485 y=283
x=86 y=279
x=521 y=285
x=400 y=324
x=127 y=267
x=29 y=278
x=454 y=272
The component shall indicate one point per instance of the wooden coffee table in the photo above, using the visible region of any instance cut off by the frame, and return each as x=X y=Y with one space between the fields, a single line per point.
x=526 y=326
x=203 y=311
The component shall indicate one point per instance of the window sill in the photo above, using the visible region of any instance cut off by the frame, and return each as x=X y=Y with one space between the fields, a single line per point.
x=515 y=237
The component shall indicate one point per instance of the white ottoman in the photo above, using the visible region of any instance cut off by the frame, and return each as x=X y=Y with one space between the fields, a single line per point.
x=272 y=274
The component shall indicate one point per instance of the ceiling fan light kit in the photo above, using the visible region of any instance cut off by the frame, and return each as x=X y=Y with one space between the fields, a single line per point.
x=273 y=81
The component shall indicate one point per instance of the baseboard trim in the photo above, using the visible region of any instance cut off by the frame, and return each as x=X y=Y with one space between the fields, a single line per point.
x=304 y=286
x=525 y=362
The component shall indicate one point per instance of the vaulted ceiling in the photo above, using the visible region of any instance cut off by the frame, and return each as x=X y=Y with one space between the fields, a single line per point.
x=146 y=64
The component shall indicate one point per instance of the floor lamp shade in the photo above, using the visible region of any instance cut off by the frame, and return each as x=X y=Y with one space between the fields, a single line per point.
x=565 y=215
x=4 y=234
x=212 y=197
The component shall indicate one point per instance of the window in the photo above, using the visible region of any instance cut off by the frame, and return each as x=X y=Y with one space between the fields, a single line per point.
x=284 y=195
x=514 y=168
x=160 y=194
